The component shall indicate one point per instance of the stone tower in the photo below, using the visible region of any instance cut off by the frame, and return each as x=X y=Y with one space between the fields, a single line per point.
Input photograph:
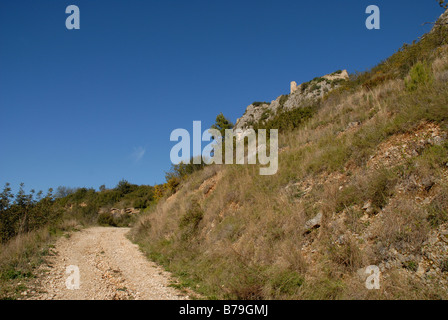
x=293 y=86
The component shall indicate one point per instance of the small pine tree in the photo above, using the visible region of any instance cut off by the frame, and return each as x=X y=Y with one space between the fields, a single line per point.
x=124 y=187
x=221 y=124
x=419 y=75
x=5 y=198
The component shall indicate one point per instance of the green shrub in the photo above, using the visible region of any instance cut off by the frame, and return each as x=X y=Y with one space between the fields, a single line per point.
x=347 y=197
x=124 y=187
x=124 y=220
x=189 y=222
x=318 y=79
x=259 y=103
x=286 y=282
x=287 y=119
x=410 y=265
x=182 y=170
x=380 y=187
x=140 y=203
x=436 y=156
x=266 y=114
x=419 y=75
x=438 y=209
x=304 y=86
x=283 y=100
x=106 y=219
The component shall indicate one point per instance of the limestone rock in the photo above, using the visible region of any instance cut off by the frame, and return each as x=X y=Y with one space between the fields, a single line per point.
x=428 y=183
x=300 y=96
x=368 y=207
x=314 y=223
x=443 y=19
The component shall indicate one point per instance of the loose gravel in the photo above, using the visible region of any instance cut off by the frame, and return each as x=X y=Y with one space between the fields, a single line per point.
x=111 y=267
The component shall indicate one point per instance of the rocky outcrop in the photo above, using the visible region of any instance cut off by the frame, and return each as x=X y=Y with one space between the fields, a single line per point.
x=443 y=19
x=313 y=223
x=300 y=95
x=315 y=89
x=253 y=114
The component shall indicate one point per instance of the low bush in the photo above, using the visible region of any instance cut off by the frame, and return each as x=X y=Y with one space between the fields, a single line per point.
x=189 y=222
x=420 y=75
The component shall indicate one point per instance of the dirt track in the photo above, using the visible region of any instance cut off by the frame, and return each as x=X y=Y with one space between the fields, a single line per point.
x=110 y=267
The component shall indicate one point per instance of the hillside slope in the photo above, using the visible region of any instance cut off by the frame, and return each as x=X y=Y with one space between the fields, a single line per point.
x=363 y=181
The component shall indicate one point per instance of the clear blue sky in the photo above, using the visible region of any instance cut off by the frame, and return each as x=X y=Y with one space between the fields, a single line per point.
x=92 y=106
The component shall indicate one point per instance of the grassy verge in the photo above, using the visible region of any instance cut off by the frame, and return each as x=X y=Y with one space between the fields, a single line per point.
x=21 y=256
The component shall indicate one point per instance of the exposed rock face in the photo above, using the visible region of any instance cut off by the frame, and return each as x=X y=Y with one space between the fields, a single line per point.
x=337 y=75
x=300 y=96
x=443 y=18
x=315 y=89
x=253 y=114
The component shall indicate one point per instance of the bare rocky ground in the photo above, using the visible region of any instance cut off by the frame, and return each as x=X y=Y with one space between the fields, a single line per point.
x=111 y=267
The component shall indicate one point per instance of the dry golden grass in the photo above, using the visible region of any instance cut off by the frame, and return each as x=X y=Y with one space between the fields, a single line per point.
x=18 y=259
